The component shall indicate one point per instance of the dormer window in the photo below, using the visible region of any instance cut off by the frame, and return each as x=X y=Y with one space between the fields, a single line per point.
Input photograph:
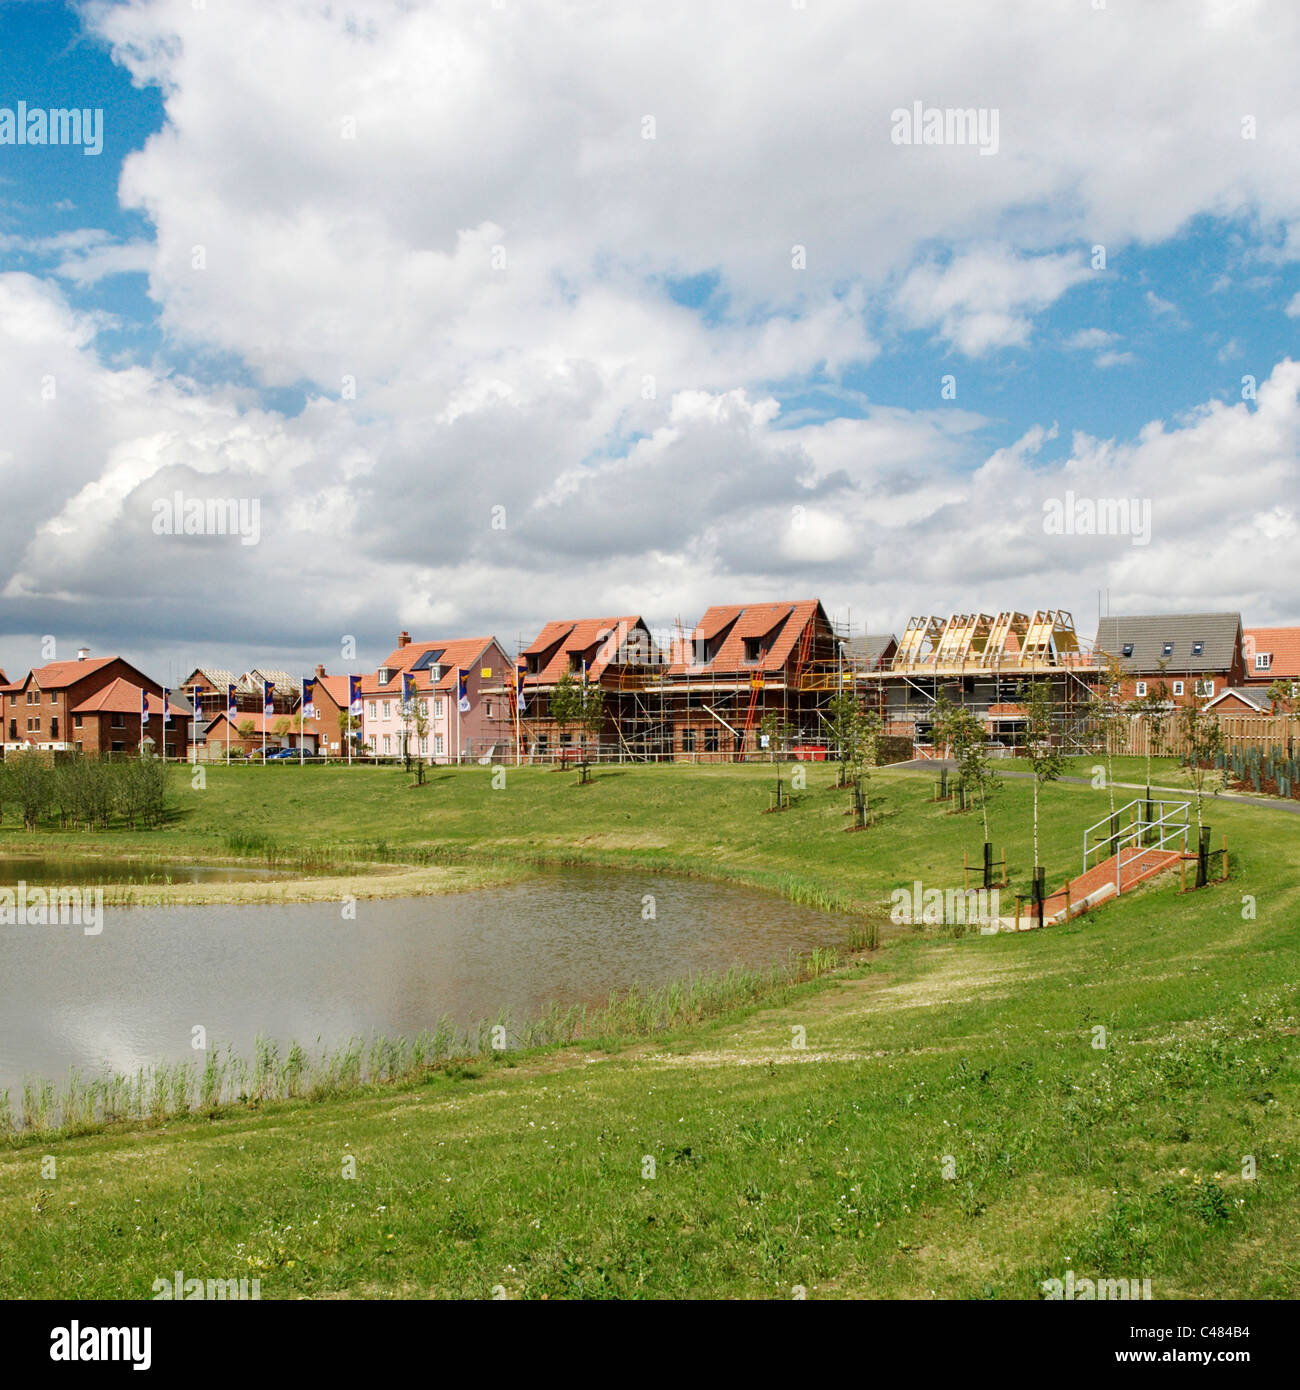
x=385 y=674
x=753 y=648
x=1263 y=660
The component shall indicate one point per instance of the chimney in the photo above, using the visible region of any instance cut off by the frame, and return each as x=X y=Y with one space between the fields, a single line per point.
x=320 y=671
x=82 y=653
x=403 y=639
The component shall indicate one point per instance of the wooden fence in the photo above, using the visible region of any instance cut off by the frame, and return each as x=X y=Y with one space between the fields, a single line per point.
x=1251 y=730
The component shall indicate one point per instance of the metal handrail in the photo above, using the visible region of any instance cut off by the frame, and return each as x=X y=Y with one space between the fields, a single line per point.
x=1172 y=823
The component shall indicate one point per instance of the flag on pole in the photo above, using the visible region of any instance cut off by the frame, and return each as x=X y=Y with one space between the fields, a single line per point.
x=308 y=697
x=144 y=707
x=463 y=704
x=167 y=709
x=268 y=699
x=408 y=688
x=354 y=696
x=520 y=673
x=232 y=708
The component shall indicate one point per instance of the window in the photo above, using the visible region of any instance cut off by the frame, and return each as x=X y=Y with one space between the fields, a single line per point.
x=119 y=748
x=424 y=743
x=1205 y=688
x=753 y=648
x=1141 y=688
x=78 y=745
x=76 y=721
x=1263 y=660
x=488 y=708
x=119 y=721
x=1198 y=648
x=437 y=744
x=387 y=708
x=384 y=674
x=437 y=708
x=424 y=708
x=710 y=740
x=388 y=743
x=1127 y=649
x=688 y=740
x=372 y=709
x=1113 y=692
x=1178 y=687
x=1167 y=649
x=54 y=699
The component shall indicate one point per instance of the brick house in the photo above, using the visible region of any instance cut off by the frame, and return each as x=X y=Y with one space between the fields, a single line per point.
x=743 y=662
x=1241 y=700
x=615 y=653
x=213 y=740
x=330 y=700
x=435 y=668
x=1197 y=655
x=90 y=705
x=1271 y=654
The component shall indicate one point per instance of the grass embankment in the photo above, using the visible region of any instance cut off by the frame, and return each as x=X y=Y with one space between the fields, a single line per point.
x=461 y=831
x=774 y=1166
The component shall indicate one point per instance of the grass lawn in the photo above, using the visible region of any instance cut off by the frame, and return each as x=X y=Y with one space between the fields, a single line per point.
x=954 y=1125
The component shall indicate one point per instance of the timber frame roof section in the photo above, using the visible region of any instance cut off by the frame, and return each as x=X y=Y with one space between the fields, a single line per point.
x=1010 y=643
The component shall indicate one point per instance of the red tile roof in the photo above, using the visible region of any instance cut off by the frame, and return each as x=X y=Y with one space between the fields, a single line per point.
x=59 y=674
x=779 y=625
x=121 y=697
x=336 y=687
x=462 y=652
x=597 y=640
x=1284 y=645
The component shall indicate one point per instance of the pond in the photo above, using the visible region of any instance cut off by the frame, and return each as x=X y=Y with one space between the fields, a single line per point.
x=88 y=871
x=131 y=995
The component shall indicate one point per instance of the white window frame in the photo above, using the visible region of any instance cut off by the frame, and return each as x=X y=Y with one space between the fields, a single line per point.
x=372 y=710
x=1140 y=689
x=1263 y=660
x=1206 y=689
x=1178 y=687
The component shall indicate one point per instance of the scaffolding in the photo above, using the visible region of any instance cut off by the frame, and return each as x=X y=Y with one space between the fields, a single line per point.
x=982 y=662
x=671 y=703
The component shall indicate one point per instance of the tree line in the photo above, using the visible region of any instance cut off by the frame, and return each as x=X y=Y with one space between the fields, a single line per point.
x=82 y=792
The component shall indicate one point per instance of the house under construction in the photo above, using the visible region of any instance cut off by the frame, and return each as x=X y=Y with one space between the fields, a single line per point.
x=983 y=661
x=711 y=692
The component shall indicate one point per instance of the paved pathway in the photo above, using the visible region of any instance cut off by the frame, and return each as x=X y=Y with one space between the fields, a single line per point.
x=1268 y=803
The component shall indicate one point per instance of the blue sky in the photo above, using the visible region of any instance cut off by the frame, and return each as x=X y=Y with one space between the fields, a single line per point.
x=334 y=260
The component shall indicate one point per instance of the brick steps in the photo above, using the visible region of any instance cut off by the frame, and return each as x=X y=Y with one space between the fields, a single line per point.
x=1097 y=886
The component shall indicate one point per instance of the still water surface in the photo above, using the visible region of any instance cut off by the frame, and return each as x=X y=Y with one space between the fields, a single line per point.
x=299 y=971
x=40 y=870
